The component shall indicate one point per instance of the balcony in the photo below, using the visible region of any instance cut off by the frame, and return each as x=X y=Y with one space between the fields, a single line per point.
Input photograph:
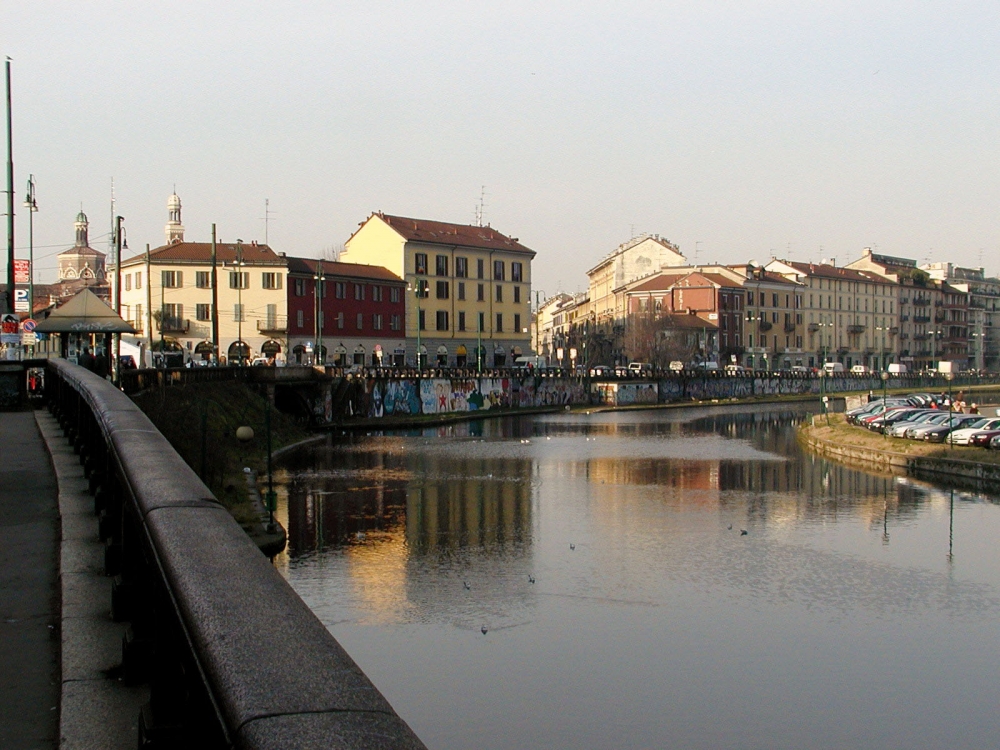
x=174 y=325
x=904 y=300
x=856 y=328
x=278 y=324
x=904 y=318
x=921 y=318
x=940 y=318
x=789 y=328
x=813 y=327
x=921 y=302
x=894 y=330
x=904 y=336
x=765 y=326
x=938 y=303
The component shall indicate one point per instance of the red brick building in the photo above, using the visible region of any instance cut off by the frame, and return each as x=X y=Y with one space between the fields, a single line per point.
x=363 y=314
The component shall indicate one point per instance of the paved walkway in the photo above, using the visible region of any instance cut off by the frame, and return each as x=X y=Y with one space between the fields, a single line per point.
x=29 y=594
x=59 y=649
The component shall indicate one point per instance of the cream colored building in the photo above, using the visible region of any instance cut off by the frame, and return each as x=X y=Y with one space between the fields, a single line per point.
x=167 y=295
x=467 y=285
x=638 y=258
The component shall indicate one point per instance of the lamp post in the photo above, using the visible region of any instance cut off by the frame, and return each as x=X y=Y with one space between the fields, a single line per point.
x=32 y=205
x=239 y=300
x=119 y=244
x=885 y=381
x=538 y=327
x=416 y=288
x=951 y=408
x=318 y=294
x=822 y=393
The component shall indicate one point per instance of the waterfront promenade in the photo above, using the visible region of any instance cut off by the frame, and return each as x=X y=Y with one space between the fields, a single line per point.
x=29 y=603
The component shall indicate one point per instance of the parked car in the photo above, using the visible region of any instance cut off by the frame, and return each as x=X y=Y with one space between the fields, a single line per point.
x=962 y=436
x=940 y=433
x=643 y=369
x=917 y=432
x=983 y=438
x=601 y=371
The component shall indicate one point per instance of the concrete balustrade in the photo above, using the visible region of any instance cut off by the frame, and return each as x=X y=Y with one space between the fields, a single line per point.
x=233 y=656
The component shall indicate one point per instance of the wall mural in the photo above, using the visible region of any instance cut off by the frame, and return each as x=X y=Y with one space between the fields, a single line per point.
x=377 y=398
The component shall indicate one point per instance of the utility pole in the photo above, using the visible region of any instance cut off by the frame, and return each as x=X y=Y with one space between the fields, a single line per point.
x=318 y=354
x=149 y=305
x=32 y=205
x=10 y=201
x=239 y=301
x=118 y=293
x=215 y=300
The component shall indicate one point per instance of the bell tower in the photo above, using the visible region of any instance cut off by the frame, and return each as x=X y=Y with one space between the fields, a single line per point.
x=174 y=229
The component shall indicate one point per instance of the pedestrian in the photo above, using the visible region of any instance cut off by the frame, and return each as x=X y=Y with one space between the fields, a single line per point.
x=101 y=364
x=86 y=359
x=974 y=409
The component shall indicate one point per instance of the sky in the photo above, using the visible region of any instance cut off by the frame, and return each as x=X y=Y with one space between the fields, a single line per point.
x=737 y=130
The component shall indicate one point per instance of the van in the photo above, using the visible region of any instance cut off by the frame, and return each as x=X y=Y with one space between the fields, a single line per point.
x=640 y=368
x=859 y=369
x=708 y=366
x=832 y=367
x=531 y=362
x=897 y=369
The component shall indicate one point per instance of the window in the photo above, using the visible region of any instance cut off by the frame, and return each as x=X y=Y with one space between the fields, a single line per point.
x=498 y=270
x=749 y=298
x=394 y=294
x=377 y=322
x=461 y=267
x=442 y=320
x=138 y=279
x=172 y=279
x=238 y=314
x=340 y=290
x=517 y=323
x=340 y=320
x=461 y=290
x=361 y=321
x=138 y=322
x=441 y=265
x=515 y=272
x=173 y=318
x=499 y=328
x=395 y=322
x=203 y=279
x=300 y=318
x=376 y=293
x=517 y=294
x=499 y=291
x=461 y=320
x=239 y=280
x=774 y=299
x=420 y=263
x=442 y=290
x=203 y=312
x=479 y=268
x=128 y=282
x=359 y=291
x=270 y=280
x=300 y=287
x=481 y=293
x=421 y=317
x=423 y=288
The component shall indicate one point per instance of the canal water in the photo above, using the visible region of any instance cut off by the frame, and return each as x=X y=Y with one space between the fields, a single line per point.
x=681 y=578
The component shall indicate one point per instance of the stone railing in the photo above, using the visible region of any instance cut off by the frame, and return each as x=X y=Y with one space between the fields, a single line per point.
x=232 y=655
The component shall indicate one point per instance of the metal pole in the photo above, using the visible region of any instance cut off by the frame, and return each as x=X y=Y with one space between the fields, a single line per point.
x=319 y=313
x=10 y=201
x=239 y=300
x=149 y=305
x=479 y=349
x=419 y=359
x=32 y=205
x=270 y=476
x=215 y=299
x=118 y=297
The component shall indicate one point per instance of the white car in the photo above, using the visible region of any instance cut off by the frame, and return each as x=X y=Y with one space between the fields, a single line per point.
x=961 y=437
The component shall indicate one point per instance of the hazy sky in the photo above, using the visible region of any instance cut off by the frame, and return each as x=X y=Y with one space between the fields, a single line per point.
x=745 y=129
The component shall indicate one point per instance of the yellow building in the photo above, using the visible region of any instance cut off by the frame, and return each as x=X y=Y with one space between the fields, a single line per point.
x=168 y=296
x=468 y=286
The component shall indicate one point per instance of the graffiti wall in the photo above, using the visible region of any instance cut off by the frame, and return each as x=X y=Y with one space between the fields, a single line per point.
x=409 y=397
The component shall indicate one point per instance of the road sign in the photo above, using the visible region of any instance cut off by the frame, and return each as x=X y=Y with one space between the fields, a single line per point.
x=21 y=300
x=28 y=325
x=29 y=339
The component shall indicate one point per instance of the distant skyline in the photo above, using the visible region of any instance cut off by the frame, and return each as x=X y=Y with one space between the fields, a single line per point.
x=741 y=130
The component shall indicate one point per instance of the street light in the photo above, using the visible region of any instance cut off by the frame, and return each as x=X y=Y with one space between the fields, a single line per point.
x=32 y=205
x=951 y=408
x=239 y=300
x=885 y=380
x=318 y=294
x=416 y=290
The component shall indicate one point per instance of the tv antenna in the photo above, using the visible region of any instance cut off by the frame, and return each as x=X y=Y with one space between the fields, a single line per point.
x=267 y=218
x=481 y=206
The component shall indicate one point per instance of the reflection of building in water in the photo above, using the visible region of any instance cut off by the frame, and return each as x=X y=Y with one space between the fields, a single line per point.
x=485 y=503
x=374 y=494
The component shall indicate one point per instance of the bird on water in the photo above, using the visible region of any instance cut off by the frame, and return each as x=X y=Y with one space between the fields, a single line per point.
x=743 y=532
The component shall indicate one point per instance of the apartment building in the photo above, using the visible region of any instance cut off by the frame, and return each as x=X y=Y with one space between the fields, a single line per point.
x=468 y=298
x=774 y=331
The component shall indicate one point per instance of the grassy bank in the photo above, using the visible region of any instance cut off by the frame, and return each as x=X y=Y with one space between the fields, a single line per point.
x=200 y=421
x=839 y=432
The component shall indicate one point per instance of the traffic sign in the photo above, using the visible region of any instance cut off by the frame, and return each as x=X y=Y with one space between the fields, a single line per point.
x=28 y=325
x=8 y=329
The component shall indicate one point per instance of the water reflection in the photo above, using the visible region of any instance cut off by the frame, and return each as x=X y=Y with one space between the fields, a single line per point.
x=867 y=595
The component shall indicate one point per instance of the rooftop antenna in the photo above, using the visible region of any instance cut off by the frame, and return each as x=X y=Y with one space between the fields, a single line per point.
x=111 y=236
x=267 y=218
x=481 y=206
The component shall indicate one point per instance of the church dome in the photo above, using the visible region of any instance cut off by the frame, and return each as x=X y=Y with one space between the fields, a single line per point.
x=81 y=217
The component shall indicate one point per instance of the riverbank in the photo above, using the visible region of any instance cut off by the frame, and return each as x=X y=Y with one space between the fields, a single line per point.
x=852 y=445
